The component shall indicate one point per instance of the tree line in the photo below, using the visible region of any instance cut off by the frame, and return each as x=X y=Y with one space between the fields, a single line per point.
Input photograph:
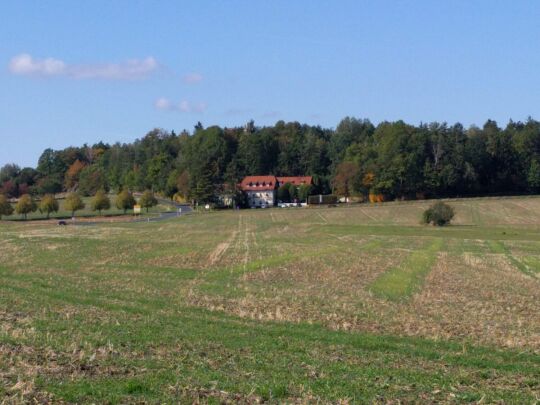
x=73 y=202
x=391 y=159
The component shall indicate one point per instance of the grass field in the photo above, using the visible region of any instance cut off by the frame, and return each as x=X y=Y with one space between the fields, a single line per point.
x=350 y=305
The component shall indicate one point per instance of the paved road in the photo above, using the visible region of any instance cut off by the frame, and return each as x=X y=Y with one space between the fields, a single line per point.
x=167 y=214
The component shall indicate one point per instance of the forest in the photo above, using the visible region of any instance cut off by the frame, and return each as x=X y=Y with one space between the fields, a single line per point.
x=357 y=158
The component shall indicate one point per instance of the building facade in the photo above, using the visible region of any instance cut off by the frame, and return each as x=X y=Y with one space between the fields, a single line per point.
x=261 y=191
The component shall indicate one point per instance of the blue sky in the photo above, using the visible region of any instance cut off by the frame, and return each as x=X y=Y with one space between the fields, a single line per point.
x=73 y=72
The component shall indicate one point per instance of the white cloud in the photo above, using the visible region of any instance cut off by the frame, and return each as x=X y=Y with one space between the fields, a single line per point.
x=26 y=65
x=185 y=106
x=193 y=78
x=163 y=103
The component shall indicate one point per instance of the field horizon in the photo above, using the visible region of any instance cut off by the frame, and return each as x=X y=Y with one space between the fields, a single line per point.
x=350 y=304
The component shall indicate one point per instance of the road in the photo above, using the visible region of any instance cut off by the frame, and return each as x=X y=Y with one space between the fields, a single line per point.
x=167 y=214
x=163 y=216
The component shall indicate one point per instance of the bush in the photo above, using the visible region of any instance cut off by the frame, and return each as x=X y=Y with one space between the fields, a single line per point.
x=439 y=214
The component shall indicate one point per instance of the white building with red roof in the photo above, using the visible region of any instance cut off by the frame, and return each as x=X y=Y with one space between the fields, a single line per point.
x=261 y=190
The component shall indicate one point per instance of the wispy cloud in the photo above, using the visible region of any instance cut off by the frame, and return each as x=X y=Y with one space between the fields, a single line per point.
x=133 y=69
x=192 y=78
x=163 y=103
x=24 y=64
x=185 y=106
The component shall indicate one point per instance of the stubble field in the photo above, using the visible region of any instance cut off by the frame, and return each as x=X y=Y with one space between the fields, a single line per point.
x=351 y=305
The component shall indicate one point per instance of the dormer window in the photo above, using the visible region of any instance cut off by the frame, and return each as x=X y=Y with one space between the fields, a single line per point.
x=264 y=183
x=250 y=183
x=257 y=184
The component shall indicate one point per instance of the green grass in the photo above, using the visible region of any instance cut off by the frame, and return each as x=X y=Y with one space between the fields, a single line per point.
x=529 y=266
x=291 y=309
x=401 y=282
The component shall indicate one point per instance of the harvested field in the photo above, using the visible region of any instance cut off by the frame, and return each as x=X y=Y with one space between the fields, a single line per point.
x=350 y=304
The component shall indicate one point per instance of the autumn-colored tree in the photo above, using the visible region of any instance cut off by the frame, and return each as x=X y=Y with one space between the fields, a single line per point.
x=344 y=179
x=124 y=200
x=72 y=174
x=5 y=206
x=25 y=205
x=73 y=202
x=100 y=202
x=48 y=204
x=148 y=200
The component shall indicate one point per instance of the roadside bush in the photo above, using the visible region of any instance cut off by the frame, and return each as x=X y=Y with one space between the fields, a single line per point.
x=439 y=214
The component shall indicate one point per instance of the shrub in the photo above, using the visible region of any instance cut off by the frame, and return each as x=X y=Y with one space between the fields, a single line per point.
x=439 y=214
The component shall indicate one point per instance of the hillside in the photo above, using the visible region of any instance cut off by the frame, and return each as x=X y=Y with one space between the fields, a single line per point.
x=358 y=304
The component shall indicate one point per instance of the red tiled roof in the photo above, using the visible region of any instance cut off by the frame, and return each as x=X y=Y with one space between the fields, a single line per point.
x=258 y=183
x=295 y=180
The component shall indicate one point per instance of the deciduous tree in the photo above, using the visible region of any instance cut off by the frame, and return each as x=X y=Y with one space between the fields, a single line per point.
x=48 y=204
x=5 y=206
x=100 y=202
x=148 y=200
x=73 y=202
x=124 y=201
x=25 y=205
